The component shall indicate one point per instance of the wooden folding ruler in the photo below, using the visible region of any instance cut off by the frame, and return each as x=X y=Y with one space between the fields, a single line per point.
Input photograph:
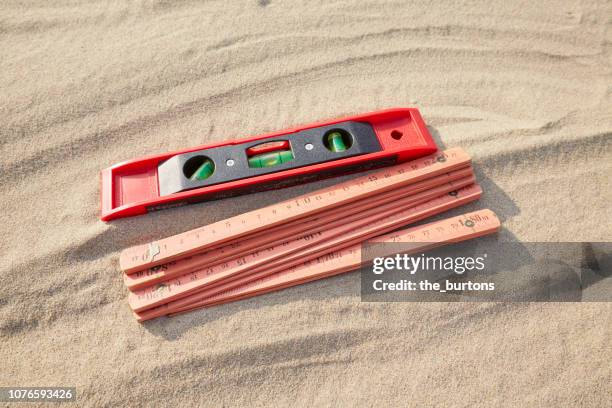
x=260 y=251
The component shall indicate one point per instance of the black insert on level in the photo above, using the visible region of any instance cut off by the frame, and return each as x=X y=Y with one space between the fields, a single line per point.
x=228 y=163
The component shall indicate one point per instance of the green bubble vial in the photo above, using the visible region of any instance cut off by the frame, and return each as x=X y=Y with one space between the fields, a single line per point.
x=270 y=159
x=204 y=171
x=335 y=142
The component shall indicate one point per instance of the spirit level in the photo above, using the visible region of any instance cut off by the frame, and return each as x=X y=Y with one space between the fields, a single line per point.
x=269 y=161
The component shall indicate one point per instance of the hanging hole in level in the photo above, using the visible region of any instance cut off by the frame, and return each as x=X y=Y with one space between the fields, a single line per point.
x=396 y=134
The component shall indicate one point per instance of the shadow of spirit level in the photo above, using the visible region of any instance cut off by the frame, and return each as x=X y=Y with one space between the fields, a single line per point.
x=264 y=162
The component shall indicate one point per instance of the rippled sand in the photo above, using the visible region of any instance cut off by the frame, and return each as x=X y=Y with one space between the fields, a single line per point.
x=526 y=87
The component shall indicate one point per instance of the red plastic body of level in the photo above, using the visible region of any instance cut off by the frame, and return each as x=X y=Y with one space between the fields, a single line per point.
x=131 y=188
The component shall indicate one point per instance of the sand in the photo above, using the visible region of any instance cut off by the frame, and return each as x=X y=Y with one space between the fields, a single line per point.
x=525 y=87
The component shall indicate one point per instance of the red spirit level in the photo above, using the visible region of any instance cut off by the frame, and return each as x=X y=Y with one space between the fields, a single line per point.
x=274 y=160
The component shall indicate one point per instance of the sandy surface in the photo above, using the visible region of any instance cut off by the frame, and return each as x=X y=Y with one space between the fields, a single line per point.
x=526 y=87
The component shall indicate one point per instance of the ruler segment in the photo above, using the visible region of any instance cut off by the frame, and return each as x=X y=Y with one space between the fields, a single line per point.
x=209 y=258
x=327 y=241
x=162 y=251
x=448 y=231
x=370 y=201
